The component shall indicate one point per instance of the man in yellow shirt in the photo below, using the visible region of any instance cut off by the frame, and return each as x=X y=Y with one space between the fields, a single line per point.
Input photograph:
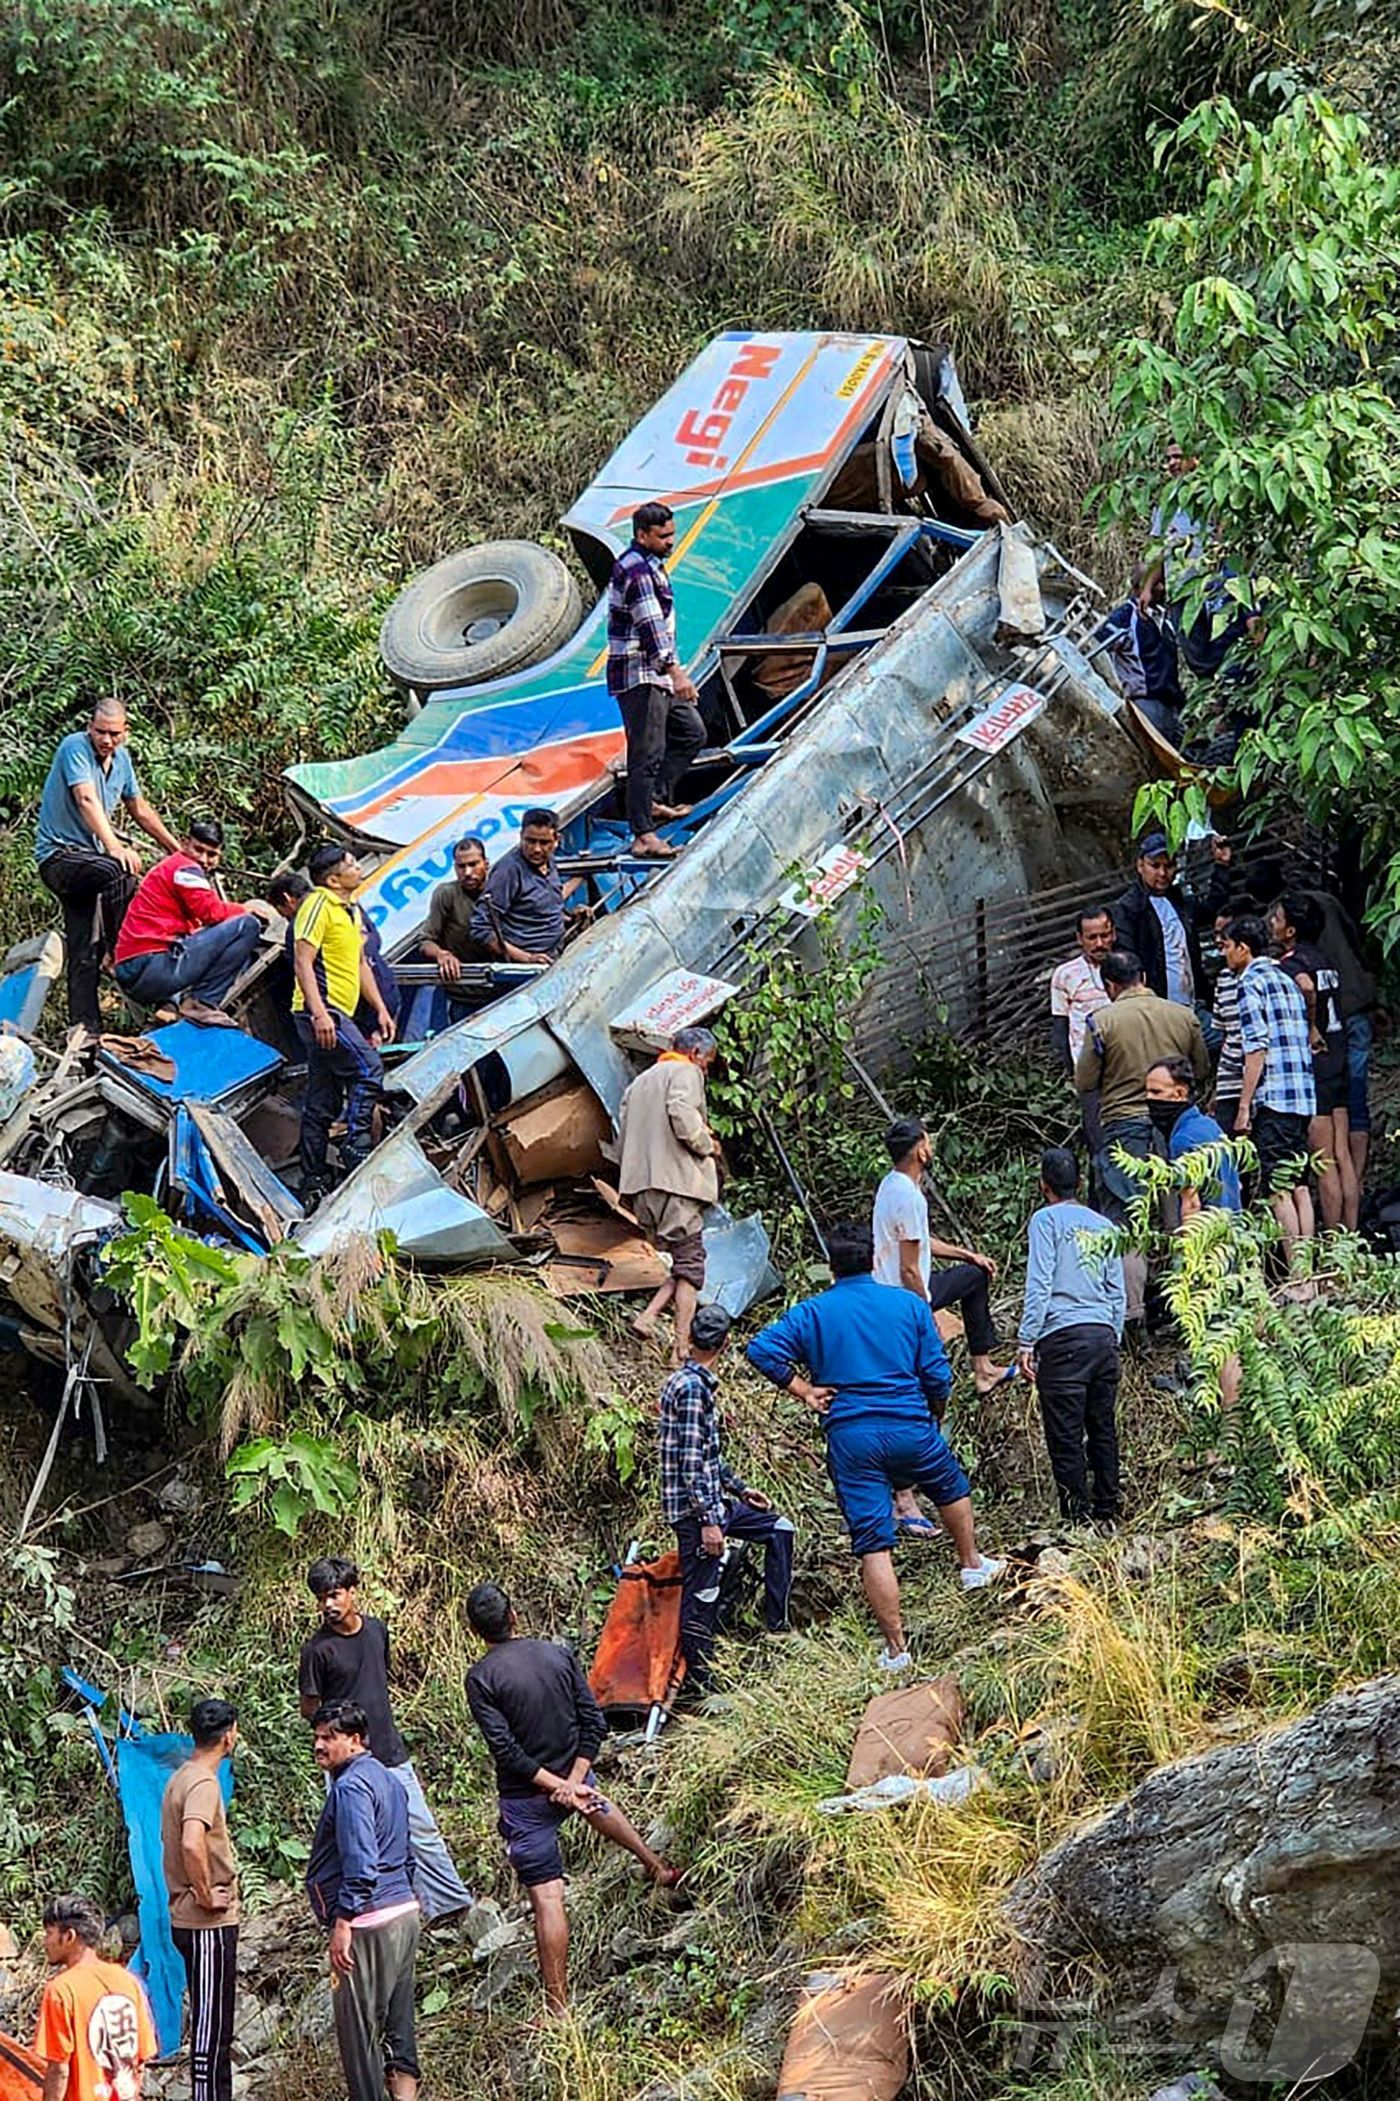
x=332 y=978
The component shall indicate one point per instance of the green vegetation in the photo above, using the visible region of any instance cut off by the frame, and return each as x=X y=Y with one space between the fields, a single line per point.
x=1279 y=379
x=293 y=301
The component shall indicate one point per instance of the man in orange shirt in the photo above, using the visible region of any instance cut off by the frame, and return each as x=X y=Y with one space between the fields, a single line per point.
x=94 y=2031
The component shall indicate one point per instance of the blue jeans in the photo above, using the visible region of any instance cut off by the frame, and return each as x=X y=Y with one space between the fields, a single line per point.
x=202 y=966
x=1357 y=1030
x=440 y=1889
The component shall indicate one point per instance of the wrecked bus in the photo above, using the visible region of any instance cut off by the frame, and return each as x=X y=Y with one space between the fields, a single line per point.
x=896 y=695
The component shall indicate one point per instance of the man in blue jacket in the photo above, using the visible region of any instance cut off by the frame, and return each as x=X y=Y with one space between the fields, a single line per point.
x=879 y=1373
x=360 y=1882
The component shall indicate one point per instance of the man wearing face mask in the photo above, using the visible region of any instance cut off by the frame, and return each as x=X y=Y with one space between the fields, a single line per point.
x=1178 y=1117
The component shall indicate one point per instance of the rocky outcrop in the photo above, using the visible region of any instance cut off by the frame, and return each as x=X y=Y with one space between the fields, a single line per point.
x=1243 y=1903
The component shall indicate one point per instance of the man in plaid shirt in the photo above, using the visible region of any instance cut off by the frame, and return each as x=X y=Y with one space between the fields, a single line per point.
x=1278 y=1097
x=707 y=1502
x=656 y=699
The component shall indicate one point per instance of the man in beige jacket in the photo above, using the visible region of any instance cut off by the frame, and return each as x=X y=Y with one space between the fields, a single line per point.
x=669 y=1174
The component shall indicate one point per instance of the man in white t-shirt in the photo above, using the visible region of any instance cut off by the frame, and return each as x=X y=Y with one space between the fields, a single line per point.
x=1076 y=988
x=904 y=1254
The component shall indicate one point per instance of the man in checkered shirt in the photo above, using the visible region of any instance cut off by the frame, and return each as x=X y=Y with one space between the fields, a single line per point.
x=1278 y=1097
x=707 y=1502
x=655 y=696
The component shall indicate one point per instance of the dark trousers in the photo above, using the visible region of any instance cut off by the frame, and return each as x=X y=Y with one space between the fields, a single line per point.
x=94 y=890
x=373 y=2006
x=210 y=1956
x=701 y=1574
x=964 y=1285
x=352 y=1072
x=1076 y=1377
x=663 y=736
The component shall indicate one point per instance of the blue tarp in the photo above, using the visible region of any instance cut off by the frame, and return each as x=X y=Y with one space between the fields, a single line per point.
x=144 y=1764
x=210 y=1064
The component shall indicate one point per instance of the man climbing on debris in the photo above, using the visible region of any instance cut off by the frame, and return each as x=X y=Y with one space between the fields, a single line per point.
x=448 y=939
x=347 y=1658
x=94 y=2031
x=1134 y=1032
x=655 y=696
x=181 y=940
x=543 y=1729
x=1142 y=640
x=879 y=1377
x=904 y=1251
x=358 y=1881
x=80 y=856
x=201 y=1882
x=1071 y=1327
x=707 y=1502
x=519 y=916
x=669 y=1173
x=332 y=978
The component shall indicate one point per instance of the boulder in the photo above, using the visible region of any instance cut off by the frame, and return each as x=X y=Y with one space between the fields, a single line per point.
x=1241 y=1903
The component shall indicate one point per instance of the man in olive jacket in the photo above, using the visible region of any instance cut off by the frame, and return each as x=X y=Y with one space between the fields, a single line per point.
x=669 y=1173
x=1122 y=1042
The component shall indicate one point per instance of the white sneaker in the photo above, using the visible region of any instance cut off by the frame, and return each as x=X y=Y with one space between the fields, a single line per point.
x=985 y=1572
x=901 y=1662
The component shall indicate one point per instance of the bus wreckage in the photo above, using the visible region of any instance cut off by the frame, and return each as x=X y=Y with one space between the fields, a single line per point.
x=897 y=696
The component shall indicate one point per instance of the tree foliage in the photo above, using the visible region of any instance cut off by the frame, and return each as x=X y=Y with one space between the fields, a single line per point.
x=1276 y=373
x=1313 y=1433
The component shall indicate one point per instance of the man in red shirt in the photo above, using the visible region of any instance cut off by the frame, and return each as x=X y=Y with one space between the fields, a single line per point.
x=180 y=939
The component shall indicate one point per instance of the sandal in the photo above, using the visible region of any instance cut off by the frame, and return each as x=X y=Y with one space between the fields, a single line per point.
x=918 y=1527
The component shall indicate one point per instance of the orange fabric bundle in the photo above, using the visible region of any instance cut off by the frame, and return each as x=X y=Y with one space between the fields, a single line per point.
x=639 y=1663
x=21 y=2073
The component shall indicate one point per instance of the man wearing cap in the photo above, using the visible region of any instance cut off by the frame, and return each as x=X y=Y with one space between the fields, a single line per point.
x=669 y=1173
x=1153 y=920
x=707 y=1502
x=333 y=976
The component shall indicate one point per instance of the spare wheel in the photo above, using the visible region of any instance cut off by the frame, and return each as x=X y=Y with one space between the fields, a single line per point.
x=479 y=614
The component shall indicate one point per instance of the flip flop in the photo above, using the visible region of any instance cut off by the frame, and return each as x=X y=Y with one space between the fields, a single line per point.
x=1012 y=1371
x=918 y=1527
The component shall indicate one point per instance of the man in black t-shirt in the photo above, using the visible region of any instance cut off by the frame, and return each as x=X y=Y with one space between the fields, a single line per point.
x=1295 y=928
x=348 y=1659
x=543 y=1728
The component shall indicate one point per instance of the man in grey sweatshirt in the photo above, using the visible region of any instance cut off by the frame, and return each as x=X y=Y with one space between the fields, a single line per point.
x=1071 y=1327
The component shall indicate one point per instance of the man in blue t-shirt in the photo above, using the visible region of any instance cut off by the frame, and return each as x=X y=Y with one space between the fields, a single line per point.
x=878 y=1371
x=80 y=857
x=1175 y=1113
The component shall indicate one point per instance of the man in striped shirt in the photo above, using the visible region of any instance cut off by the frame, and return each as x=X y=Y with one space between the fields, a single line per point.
x=654 y=694
x=1278 y=1097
